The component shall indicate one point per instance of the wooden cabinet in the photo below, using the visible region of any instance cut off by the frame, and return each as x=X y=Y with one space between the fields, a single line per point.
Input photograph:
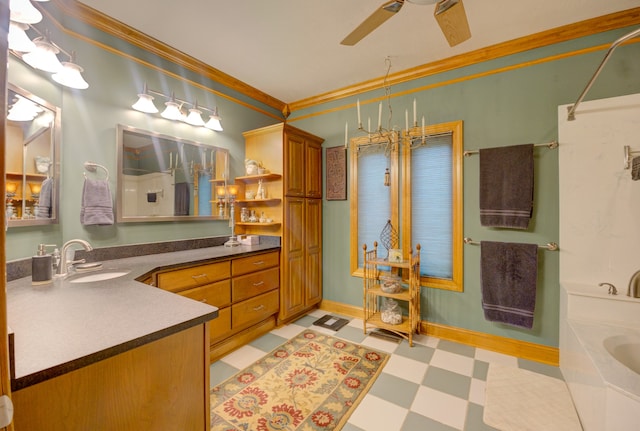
x=161 y=385
x=302 y=164
x=298 y=155
x=408 y=271
x=245 y=289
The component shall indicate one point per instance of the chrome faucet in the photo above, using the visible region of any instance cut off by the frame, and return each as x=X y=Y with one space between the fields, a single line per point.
x=63 y=266
x=634 y=290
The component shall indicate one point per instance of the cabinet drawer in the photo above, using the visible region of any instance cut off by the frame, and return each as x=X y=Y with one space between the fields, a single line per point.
x=250 y=285
x=220 y=327
x=254 y=310
x=181 y=279
x=216 y=294
x=244 y=265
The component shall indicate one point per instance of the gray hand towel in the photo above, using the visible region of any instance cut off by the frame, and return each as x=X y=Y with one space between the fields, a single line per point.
x=97 y=206
x=509 y=274
x=44 y=201
x=506 y=186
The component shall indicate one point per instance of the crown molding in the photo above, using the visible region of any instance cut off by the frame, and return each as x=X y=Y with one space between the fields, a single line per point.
x=97 y=19
x=538 y=40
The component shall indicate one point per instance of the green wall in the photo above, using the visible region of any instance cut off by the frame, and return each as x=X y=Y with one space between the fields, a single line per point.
x=499 y=107
x=89 y=119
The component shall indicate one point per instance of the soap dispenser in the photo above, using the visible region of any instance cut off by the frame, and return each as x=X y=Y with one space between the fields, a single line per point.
x=41 y=266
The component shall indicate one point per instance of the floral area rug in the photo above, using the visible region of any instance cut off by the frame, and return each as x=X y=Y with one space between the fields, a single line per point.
x=312 y=382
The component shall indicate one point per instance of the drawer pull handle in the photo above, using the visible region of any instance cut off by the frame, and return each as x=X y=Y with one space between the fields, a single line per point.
x=195 y=277
x=260 y=283
x=260 y=262
x=258 y=308
x=204 y=300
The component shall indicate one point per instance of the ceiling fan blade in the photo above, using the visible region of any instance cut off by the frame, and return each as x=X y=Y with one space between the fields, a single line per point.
x=452 y=20
x=375 y=20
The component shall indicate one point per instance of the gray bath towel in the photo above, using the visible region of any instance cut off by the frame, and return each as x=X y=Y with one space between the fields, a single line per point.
x=44 y=201
x=182 y=200
x=506 y=186
x=97 y=206
x=509 y=274
x=635 y=168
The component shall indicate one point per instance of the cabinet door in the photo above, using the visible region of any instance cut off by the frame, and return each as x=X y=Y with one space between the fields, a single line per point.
x=313 y=169
x=294 y=165
x=292 y=287
x=313 y=245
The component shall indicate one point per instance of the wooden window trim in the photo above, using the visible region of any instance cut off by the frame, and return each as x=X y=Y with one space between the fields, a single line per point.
x=455 y=128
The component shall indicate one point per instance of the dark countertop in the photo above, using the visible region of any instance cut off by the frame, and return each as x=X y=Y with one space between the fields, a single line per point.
x=63 y=326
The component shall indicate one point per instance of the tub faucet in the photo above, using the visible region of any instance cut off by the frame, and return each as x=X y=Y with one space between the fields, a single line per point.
x=612 y=288
x=63 y=266
x=634 y=290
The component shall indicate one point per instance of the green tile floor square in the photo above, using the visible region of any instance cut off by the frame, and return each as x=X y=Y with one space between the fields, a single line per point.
x=448 y=382
x=394 y=389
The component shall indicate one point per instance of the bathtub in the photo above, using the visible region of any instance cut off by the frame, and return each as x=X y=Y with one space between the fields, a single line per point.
x=599 y=344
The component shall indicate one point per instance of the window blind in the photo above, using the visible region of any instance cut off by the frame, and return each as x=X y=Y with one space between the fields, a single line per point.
x=432 y=206
x=374 y=200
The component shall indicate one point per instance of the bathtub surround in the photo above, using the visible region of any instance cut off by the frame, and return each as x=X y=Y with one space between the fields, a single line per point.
x=599 y=233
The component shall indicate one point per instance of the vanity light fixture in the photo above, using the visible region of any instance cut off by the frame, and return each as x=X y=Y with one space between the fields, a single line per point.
x=173 y=109
x=145 y=102
x=41 y=53
x=71 y=75
x=195 y=116
x=44 y=57
x=23 y=110
x=24 y=12
x=18 y=39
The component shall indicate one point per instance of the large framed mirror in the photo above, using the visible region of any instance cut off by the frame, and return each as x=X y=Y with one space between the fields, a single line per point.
x=33 y=128
x=164 y=178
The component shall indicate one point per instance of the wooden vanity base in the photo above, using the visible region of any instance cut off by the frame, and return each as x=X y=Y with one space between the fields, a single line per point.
x=163 y=385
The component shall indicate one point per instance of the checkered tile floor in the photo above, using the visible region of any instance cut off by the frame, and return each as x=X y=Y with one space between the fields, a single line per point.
x=436 y=385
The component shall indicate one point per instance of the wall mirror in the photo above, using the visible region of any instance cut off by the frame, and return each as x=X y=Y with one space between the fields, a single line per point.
x=32 y=159
x=163 y=178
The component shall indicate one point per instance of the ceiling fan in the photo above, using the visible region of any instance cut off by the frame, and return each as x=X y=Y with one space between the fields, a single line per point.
x=450 y=15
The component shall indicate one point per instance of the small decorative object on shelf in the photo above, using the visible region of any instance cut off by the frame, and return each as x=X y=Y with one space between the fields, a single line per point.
x=391 y=283
x=395 y=255
x=390 y=312
x=389 y=237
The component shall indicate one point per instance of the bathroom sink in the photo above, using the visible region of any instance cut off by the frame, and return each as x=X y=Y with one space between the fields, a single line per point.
x=625 y=349
x=100 y=276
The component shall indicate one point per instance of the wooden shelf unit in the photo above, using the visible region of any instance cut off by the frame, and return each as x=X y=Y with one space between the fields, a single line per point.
x=409 y=270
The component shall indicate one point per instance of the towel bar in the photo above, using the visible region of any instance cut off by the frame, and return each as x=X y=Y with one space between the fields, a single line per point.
x=552 y=246
x=92 y=167
x=550 y=145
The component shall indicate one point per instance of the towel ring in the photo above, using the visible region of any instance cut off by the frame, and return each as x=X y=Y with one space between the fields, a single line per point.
x=93 y=167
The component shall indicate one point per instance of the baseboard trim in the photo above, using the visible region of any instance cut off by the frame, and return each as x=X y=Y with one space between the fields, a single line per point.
x=508 y=346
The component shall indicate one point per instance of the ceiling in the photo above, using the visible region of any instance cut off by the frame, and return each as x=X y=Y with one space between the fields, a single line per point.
x=290 y=49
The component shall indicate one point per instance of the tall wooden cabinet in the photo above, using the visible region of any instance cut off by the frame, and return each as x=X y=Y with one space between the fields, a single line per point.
x=298 y=155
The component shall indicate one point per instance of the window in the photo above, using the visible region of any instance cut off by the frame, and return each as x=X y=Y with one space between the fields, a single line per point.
x=429 y=190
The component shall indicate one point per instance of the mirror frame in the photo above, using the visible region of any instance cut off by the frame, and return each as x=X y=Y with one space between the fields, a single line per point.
x=121 y=218
x=55 y=166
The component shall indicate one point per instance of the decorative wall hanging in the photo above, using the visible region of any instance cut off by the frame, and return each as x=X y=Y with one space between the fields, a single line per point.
x=336 y=187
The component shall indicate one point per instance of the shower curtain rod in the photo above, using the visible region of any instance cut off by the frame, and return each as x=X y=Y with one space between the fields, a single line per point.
x=572 y=109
